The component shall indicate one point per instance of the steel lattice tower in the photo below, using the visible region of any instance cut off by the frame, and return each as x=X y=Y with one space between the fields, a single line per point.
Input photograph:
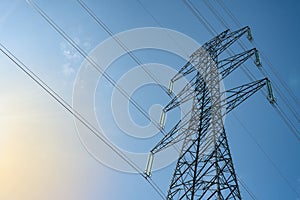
x=204 y=169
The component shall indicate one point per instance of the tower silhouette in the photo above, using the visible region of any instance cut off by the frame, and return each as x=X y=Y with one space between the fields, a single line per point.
x=204 y=168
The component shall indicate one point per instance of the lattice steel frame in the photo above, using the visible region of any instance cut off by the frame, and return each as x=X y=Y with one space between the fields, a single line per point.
x=204 y=169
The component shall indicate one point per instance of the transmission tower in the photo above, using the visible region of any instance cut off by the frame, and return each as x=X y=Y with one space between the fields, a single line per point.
x=204 y=169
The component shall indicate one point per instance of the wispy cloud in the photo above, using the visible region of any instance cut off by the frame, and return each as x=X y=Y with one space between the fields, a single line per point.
x=69 y=52
x=72 y=56
x=68 y=70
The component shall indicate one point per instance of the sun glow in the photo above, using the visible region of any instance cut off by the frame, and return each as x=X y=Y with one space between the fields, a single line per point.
x=35 y=156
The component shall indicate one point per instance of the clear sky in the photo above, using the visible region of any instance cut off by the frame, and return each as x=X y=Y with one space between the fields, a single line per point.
x=41 y=155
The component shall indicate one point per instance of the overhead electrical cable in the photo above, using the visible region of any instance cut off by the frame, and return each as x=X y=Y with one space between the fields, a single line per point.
x=92 y=62
x=202 y=19
x=266 y=155
x=262 y=70
x=243 y=184
x=75 y=113
x=277 y=108
x=266 y=59
x=210 y=28
x=120 y=43
x=212 y=31
x=160 y=25
x=131 y=54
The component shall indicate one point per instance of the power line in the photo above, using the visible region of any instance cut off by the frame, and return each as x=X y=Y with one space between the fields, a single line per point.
x=243 y=184
x=247 y=189
x=273 y=70
x=243 y=46
x=220 y=18
x=266 y=155
x=107 y=29
x=202 y=19
x=229 y=13
x=131 y=54
x=96 y=66
x=267 y=60
x=75 y=113
x=92 y=62
x=121 y=44
x=64 y=103
x=210 y=28
x=283 y=98
x=287 y=122
x=160 y=25
x=277 y=108
x=212 y=31
x=281 y=113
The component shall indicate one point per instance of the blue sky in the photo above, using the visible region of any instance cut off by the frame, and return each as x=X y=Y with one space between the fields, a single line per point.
x=41 y=156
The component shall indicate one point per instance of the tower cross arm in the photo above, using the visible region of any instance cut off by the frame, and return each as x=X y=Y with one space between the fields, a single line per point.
x=238 y=95
x=228 y=65
x=222 y=41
